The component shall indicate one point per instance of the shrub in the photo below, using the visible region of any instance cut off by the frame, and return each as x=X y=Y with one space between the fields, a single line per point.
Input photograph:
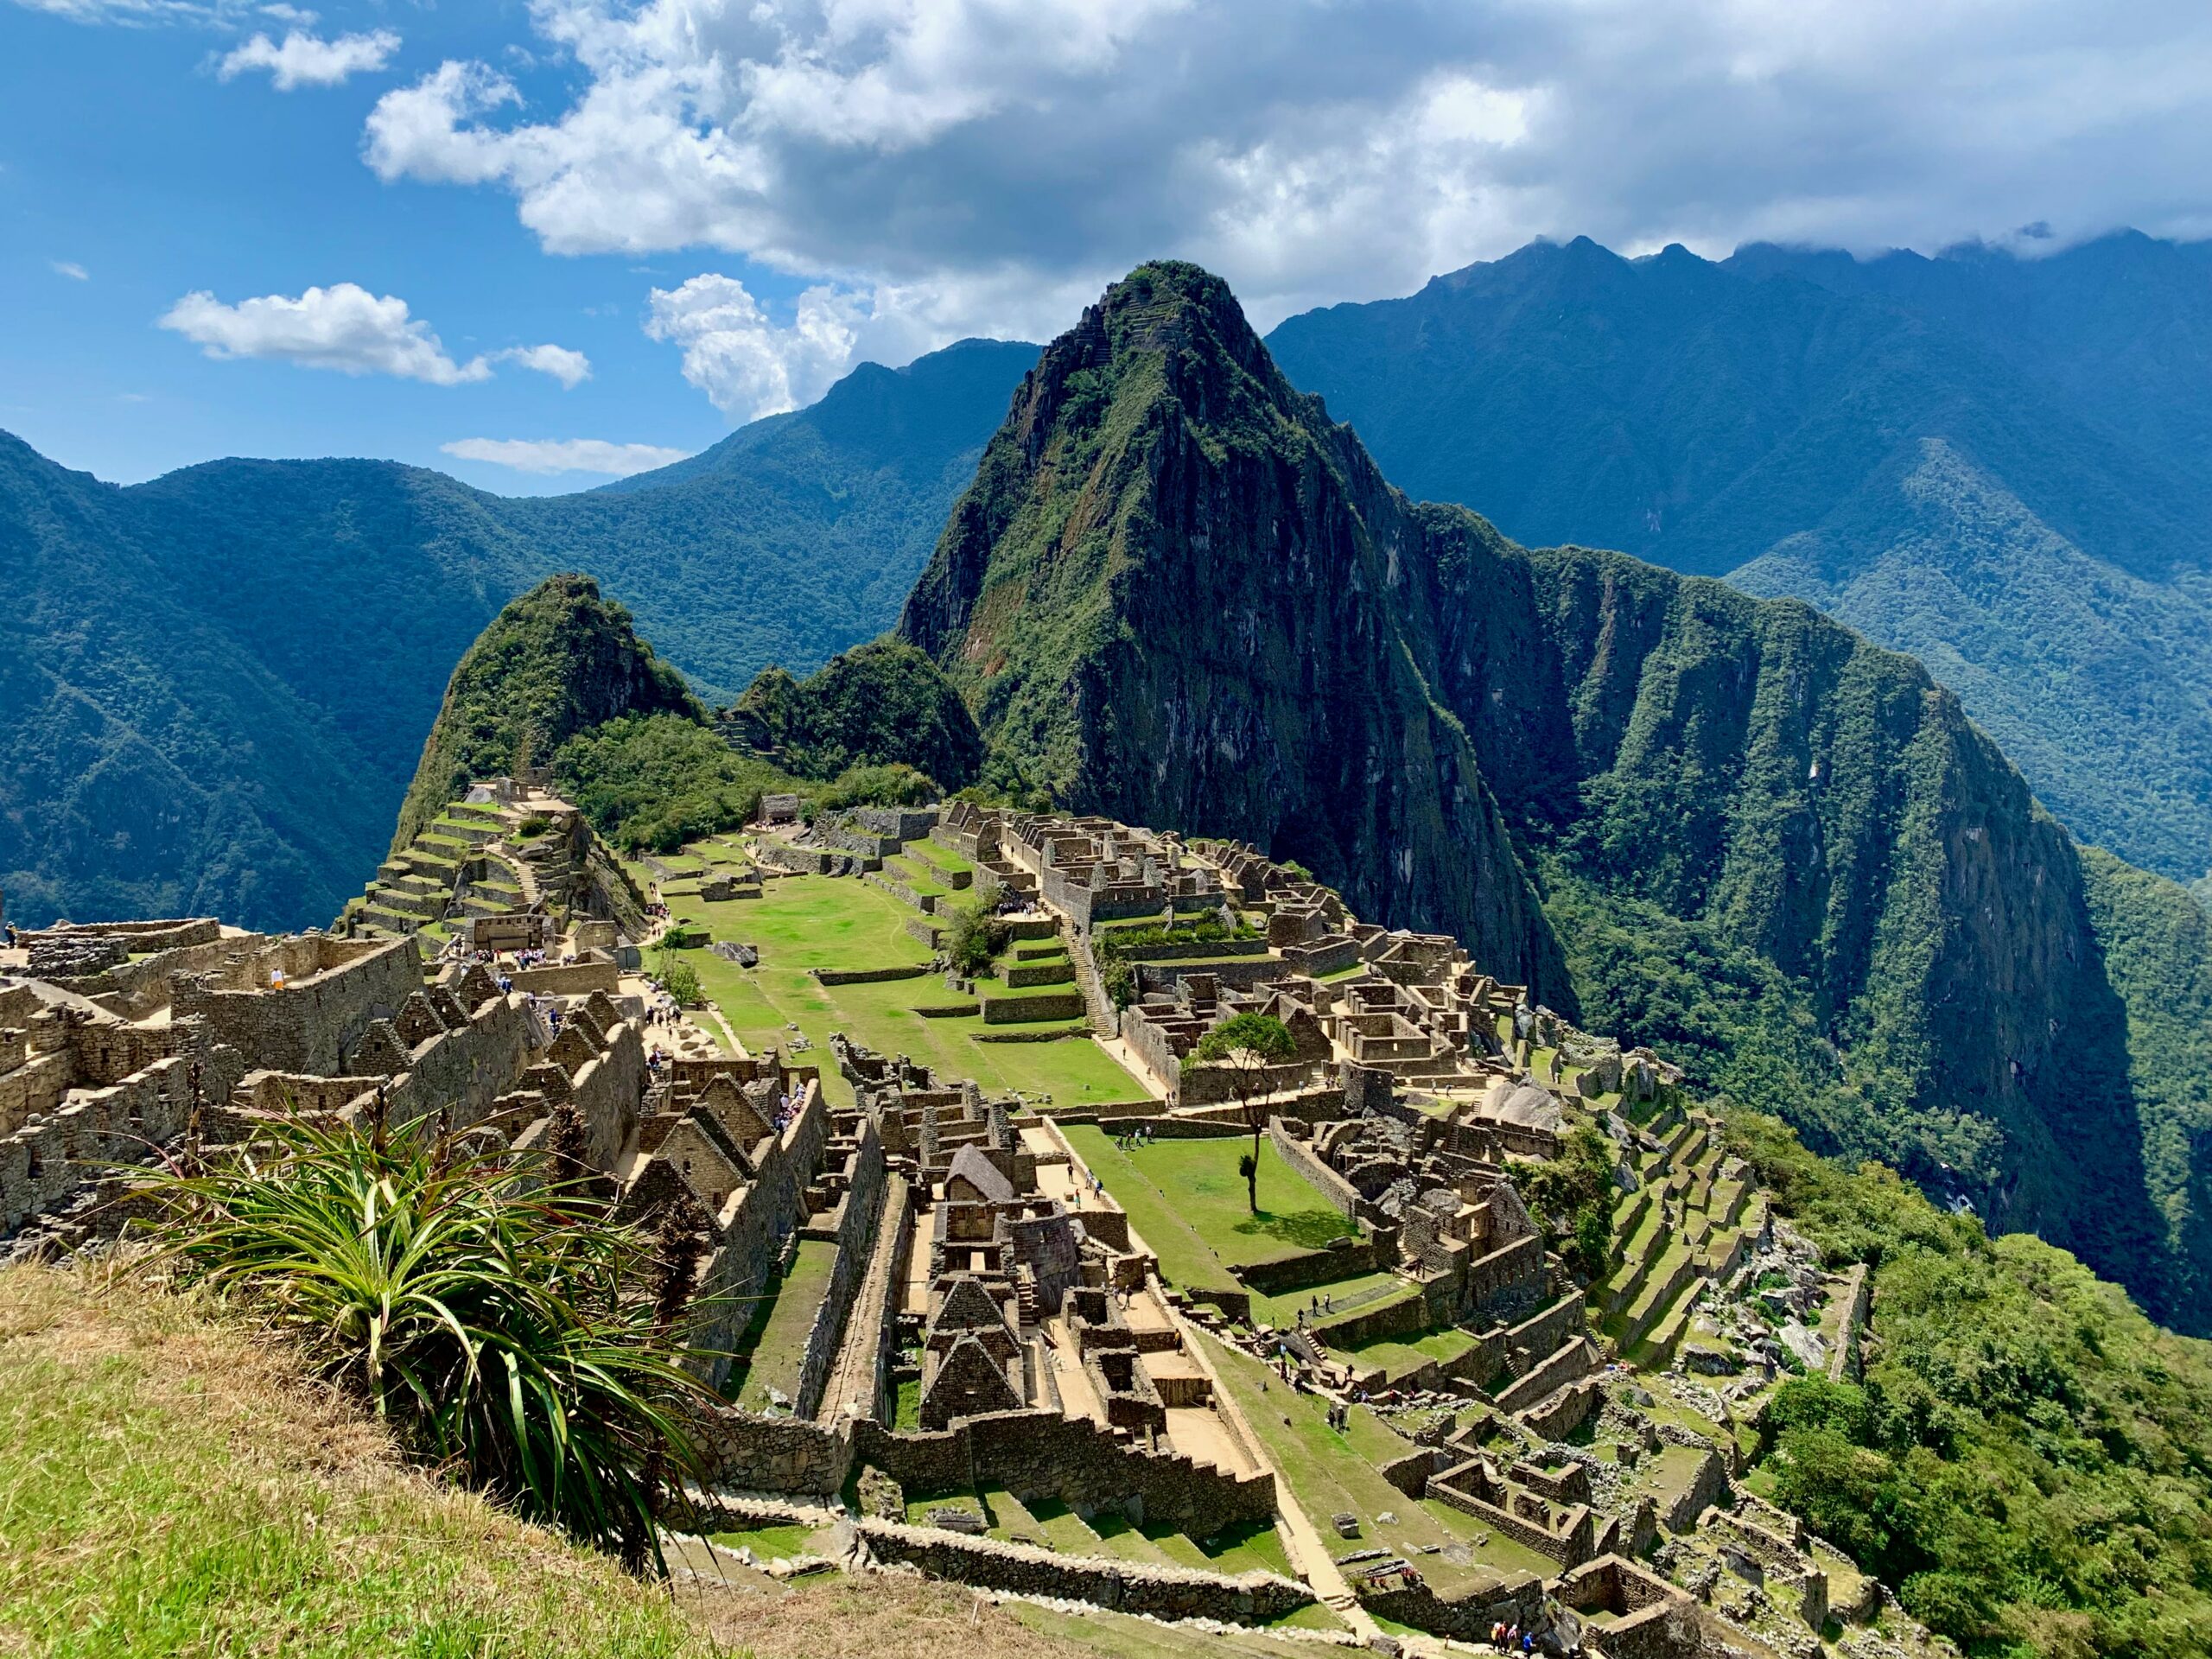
x=976 y=937
x=678 y=978
x=506 y=1326
x=894 y=784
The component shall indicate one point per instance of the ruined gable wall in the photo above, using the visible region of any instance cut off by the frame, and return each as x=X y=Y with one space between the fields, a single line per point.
x=769 y=1212
x=45 y=1166
x=313 y=1023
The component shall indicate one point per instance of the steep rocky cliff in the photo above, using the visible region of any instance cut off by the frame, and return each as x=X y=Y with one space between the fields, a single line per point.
x=1179 y=594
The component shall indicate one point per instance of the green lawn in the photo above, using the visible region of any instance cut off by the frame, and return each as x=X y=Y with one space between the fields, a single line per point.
x=1111 y=1533
x=1330 y=1473
x=945 y=857
x=811 y=921
x=1188 y=1201
x=767 y=1541
x=782 y=1349
x=1399 y=1355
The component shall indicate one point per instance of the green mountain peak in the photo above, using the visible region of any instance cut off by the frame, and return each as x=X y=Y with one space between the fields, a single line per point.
x=555 y=661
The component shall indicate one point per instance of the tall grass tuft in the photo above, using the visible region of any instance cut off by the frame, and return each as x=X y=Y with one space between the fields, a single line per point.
x=503 y=1323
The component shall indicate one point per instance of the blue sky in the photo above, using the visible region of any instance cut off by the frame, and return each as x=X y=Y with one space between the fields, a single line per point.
x=121 y=154
x=239 y=228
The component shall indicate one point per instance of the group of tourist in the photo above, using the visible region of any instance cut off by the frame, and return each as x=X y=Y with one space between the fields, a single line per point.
x=1140 y=1136
x=1511 y=1638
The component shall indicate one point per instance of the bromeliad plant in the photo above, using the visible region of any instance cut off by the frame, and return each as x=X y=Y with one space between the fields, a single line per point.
x=505 y=1325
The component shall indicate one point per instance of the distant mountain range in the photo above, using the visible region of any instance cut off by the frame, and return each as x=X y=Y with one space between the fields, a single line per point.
x=2001 y=465
x=214 y=687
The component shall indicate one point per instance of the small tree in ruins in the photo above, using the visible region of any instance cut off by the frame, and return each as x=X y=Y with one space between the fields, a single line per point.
x=1247 y=1043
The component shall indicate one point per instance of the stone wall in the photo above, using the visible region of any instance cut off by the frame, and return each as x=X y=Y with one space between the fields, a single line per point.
x=1854 y=1296
x=1342 y=1198
x=1012 y=1010
x=1704 y=1491
x=796 y=861
x=1569 y=1363
x=1033 y=1454
x=1169 y=1593
x=1314 y=1267
x=897 y=822
x=1403 y=1317
x=868 y=975
x=316 y=1019
x=767 y=1211
x=1506 y=1274
x=572 y=979
x=858 y=1213
x=54 y=1160
x=1468 y=1619
x=1631 y=1613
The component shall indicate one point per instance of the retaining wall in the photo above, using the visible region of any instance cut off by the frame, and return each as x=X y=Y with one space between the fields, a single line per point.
x=1013 y=1010
x=1171 y=1592
x=1343 y=1197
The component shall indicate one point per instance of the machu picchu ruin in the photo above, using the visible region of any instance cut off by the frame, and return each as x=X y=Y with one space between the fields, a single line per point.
x=1008 y=1273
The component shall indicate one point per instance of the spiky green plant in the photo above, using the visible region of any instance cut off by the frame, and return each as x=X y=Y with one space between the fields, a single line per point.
x=503 y=1323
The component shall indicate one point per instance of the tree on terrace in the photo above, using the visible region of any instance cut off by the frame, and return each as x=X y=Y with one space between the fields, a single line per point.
x=1247 y=1043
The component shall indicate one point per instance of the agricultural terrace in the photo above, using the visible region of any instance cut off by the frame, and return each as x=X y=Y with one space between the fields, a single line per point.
x=1333 y=1472
x=802 y=922
x=1188 y=1203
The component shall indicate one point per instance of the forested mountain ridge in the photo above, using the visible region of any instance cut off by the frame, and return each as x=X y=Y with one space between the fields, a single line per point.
x=216 y=684
x=1179 y=594
x=1996 y=463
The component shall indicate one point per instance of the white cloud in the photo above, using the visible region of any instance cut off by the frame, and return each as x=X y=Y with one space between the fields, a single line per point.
x=743 y=361
x=565 y=454
x=305 y=60
x=930 y=167
x=570 y=368
x=129 y=11
x=750 y=365
x=346 y=327
x=70 y=269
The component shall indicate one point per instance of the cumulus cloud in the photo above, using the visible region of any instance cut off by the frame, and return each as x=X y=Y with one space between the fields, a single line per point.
x=305 y=60
x=930 y=167
x=543 y=456
x=70 y=269
x=346 y=327
x=570 y=368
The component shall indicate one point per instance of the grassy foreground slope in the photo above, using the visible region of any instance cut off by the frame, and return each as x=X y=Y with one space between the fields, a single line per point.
x=176 y=1487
